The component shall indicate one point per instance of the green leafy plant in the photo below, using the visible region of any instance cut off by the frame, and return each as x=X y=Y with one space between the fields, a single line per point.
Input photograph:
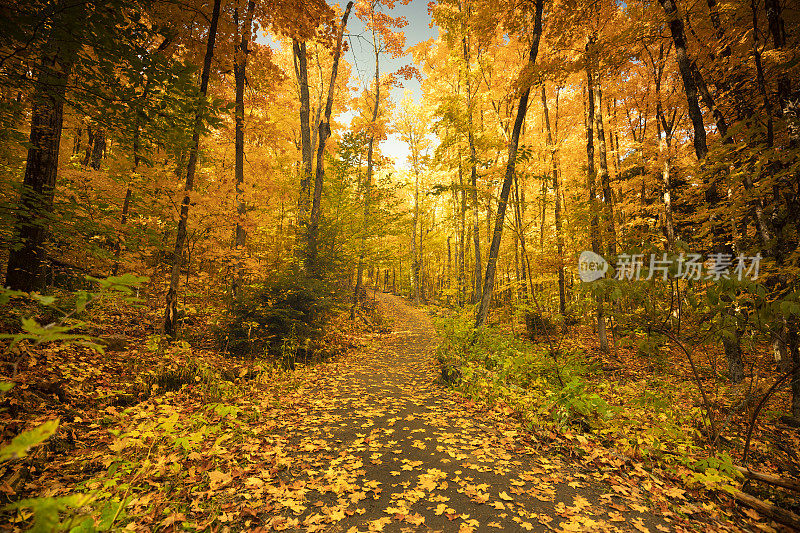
x=26 y=440
x=46 y=512
x=266 y=316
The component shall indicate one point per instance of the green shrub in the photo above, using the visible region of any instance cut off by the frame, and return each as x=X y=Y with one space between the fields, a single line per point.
x=573 y=404
x=277 y=317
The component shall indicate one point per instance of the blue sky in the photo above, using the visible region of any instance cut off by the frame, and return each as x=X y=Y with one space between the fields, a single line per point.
x=360 y=56
x=417 y=30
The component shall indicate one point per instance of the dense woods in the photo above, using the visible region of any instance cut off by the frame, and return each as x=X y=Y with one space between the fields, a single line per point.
x=596 y=202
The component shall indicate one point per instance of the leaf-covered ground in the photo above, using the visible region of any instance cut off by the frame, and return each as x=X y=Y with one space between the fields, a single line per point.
x=370 y=441
x=383 y=447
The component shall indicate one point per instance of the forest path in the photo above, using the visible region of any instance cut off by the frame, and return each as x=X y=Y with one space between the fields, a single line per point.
x=383 y=447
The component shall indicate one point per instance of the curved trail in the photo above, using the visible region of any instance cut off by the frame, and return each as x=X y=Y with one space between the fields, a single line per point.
x=378 y=445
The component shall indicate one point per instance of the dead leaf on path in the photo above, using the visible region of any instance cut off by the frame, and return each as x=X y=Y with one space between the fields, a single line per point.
x=638 y=523
x=415 y=519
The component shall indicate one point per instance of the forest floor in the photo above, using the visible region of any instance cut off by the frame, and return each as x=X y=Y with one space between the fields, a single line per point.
x=367 y=441
x=393 y=450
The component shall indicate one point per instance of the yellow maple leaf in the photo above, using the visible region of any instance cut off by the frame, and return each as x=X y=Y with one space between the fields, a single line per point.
x=415 y=519
x=218 y=479
x=638 y=523
x=581 y=502
x=379 y=524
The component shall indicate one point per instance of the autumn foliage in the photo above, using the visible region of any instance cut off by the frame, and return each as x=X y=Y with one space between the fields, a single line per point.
x=210 y=211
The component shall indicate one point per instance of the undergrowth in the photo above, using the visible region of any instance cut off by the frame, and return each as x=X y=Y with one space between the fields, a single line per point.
x=647 y=421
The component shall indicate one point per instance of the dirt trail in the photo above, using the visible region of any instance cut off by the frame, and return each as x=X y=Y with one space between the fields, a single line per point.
x=380 y=446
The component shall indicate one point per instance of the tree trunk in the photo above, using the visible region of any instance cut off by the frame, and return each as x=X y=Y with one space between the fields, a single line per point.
x=41 y=167
x=301 y=72
x=519 y=202
x=76 y=141
x=733 y=355
x=760 y=76
x=126 y=205
x=99 y=148
x=462 y=237
x=414 y=252
x=543 y=219
x=794 y=351
x=689 y=85
x=594 y=225
x=494 y=249
x=473 y=163
x=605 y=180
x=562 y=300
x=312 y=262
x=368 y=179
x=239 y=72
x=449 y=269
x=663 y=149
x=708 y=101
x=87 y=156
x=171 y=312
x=778 y=32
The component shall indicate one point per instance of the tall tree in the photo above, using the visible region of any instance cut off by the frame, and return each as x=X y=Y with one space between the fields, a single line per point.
x=41 y=167
x=306 y=150
x=383 y=39
x=473 y=158
x=171 y=312
x=244 y=31
x=664 y=131
x=609 y=229
x=594 y=225
x=412 y=126
x=312 y=265
x=551 y=142
x=368 y=178
x=676 y=28
x=522 y=108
